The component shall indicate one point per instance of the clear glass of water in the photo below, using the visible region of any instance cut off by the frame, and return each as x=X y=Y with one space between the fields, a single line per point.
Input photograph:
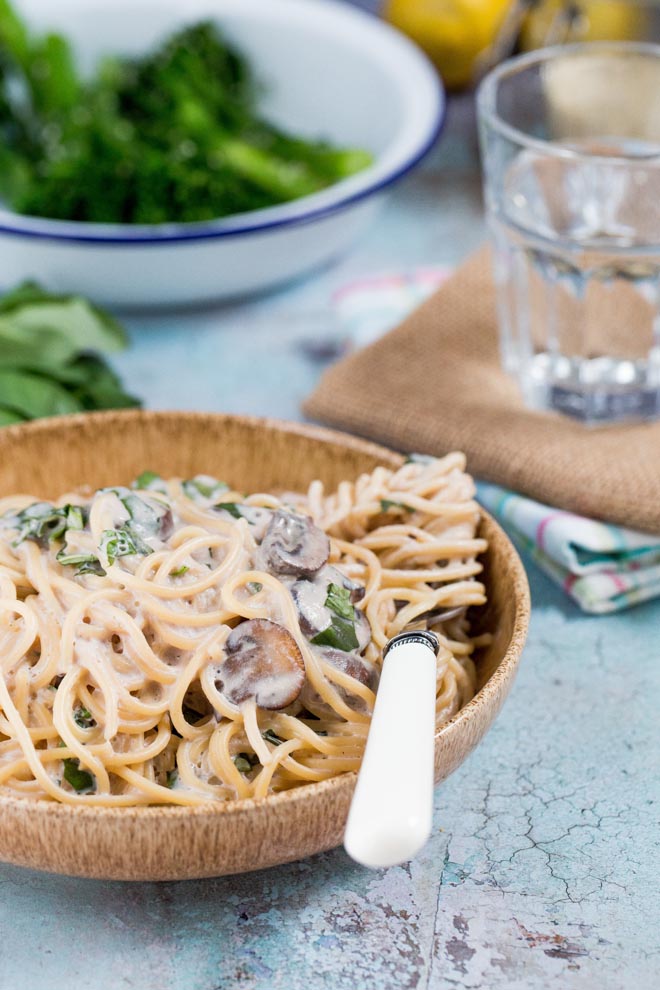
x=570 y=140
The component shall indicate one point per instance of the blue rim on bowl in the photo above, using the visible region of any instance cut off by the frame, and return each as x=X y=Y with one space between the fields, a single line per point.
x=308 y=209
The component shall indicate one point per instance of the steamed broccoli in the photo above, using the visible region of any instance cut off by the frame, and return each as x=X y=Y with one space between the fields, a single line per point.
x=174 y=136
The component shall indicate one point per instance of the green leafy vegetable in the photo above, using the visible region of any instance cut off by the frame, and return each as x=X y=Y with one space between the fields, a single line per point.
x=149 y=481
x=47 y=366
x=122 y=542
x=233 y=508
x=254 y=587
x=179 y=571
x=81 y=780
x=386 y=505
x=44 y=523
x=245 y=761
x=173 y=136
x=270 y=737
x=338 y=600
x=340 y=634
x=172 y=777
x=86 y=563
x=203 y=486
x=83 y=718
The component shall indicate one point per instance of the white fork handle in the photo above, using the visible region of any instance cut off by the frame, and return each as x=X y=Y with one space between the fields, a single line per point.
x=391 y=813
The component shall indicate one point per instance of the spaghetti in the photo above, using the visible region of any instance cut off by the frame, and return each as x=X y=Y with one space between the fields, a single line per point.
x=179 y=643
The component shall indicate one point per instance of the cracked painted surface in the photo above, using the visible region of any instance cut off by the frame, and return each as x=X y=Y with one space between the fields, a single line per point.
x=543 y=869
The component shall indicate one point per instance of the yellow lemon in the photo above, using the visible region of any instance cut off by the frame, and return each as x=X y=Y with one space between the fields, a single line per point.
x=453 y=33
x=599 y=20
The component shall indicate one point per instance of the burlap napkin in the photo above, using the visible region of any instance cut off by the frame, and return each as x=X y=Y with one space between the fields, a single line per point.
x=435 y=384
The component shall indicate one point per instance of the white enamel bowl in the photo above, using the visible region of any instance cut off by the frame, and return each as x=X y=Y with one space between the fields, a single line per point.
x=329 y=70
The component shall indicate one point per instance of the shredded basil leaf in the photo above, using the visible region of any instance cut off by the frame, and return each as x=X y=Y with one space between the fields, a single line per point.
x=339 y=601
x=86 y=563
x=81 y=780
x=179 y=571
x=44 y=523
x=91 y=566
x=340 y=634
x=231 y=507
x=149 y=481
x=172 y=777
x=122 y=542
x=203 y=486
x=270 y=737
x=84 y=718
x=386 y=505
x=245 y=761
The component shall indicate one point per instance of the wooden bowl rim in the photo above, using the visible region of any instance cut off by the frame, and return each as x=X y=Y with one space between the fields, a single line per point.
x=506 y=669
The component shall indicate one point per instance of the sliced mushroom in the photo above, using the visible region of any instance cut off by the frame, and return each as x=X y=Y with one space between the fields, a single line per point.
x=349 y=663
x=263 y=662
x=362 y=630
x=293 y=544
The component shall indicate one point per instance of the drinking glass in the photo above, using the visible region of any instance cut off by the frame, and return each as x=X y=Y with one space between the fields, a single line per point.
x=570 y=141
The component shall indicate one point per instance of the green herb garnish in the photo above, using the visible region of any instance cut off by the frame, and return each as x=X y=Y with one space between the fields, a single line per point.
x=179 y=571
x=231 y=507
x=245 y=761
x=203 y=486
x=339 y=601
x=254 y=587
x=81 y=780
x=340 y=634
x=270 y=737
x=44 y=523
x=84 y=718
x=86 y=563
x=387 y=505
x=149 y=481
x=122 y=542
x=171 y=779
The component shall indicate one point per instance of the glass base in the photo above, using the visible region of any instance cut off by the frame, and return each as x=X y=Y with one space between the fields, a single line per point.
x=594 y=391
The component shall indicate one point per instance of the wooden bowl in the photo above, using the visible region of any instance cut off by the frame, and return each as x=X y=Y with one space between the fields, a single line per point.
x=50 y=457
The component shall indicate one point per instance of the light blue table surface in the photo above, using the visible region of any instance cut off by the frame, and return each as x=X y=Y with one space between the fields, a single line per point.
x=543 y=869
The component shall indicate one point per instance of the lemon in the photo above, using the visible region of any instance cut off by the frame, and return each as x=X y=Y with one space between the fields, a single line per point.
x=453 y=33
x=600 y=20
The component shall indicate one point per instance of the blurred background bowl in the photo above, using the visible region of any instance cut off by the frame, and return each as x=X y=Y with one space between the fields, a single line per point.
x=328 y=70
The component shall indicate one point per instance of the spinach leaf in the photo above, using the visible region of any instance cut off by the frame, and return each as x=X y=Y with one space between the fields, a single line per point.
x=86 y=563
x=44 y=523
x=386 y=505
x=204 y=486
x=81 y=780
x=83 y=718
x=339 y=601
x=233 y=508
x=149 y=481
x=270 y=737
x=121 y=542
x=340 y=635
x=33 y=396
x=245 y=761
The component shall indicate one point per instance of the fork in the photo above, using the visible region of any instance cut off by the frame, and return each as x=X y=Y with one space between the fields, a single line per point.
x=391 y=813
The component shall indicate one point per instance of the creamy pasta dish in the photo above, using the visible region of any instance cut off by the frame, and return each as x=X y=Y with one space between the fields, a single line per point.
x=180 y=642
